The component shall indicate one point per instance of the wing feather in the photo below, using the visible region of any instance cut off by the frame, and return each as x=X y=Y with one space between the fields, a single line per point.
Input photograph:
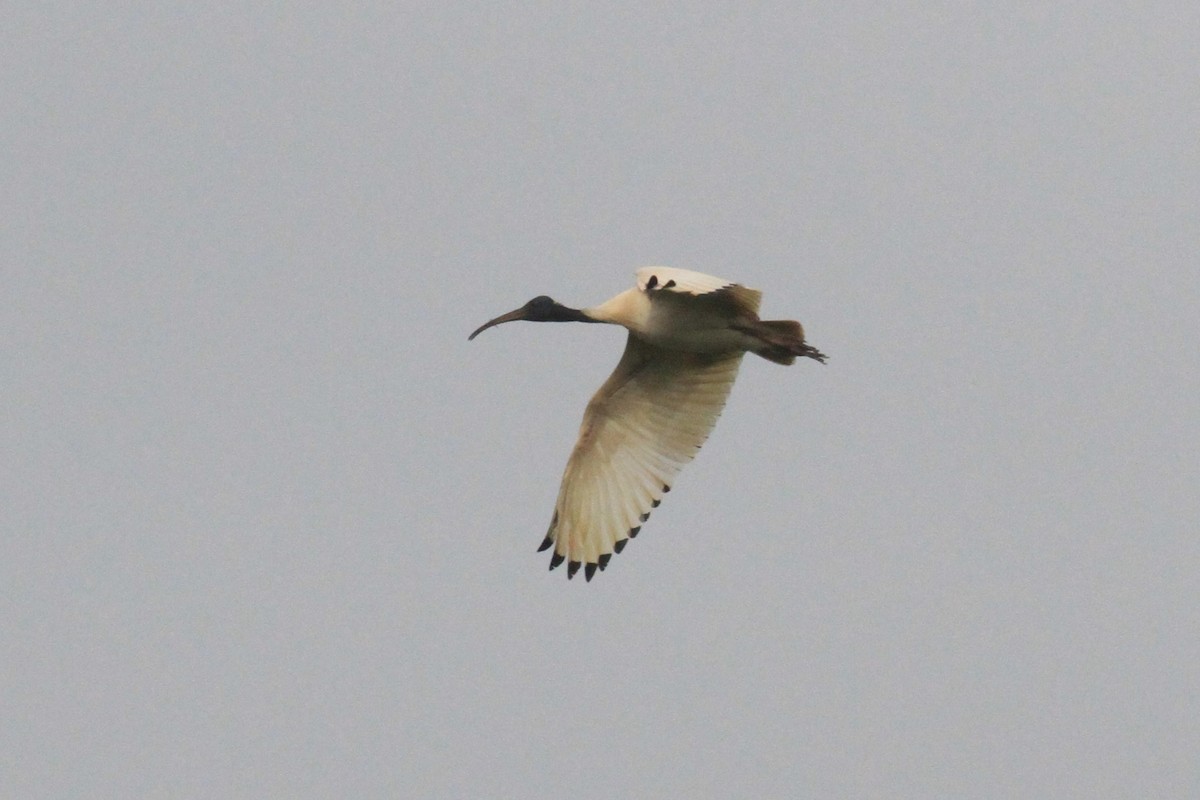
x=685 y=281
x=644 y=424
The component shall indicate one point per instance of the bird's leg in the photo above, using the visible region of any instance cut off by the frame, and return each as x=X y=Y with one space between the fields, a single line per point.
x=812 y=352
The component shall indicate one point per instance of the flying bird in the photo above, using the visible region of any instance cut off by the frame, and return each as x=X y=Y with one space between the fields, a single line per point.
x=687 y=335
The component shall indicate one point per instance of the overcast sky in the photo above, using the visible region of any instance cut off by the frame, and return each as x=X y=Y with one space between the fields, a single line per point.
x=269 y=520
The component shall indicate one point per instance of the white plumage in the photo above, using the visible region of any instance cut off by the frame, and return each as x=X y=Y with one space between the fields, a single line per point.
x=687 y=335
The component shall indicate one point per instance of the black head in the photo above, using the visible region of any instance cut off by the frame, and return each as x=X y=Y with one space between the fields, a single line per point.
x=539 y=309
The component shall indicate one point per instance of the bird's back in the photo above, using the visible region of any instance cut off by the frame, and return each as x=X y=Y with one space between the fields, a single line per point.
x=684 y=311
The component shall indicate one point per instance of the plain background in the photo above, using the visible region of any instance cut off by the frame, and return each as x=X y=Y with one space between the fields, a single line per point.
x=269 y=520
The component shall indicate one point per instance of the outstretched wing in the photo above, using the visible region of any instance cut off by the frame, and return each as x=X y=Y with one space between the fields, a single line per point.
x=644 y=424
x=653 y=280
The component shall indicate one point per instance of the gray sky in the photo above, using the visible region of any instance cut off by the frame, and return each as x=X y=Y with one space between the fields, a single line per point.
x=269 y=520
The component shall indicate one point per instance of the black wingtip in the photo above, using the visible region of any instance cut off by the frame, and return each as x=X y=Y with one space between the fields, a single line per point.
x=545 y=545
x=633 y=532
x=655 y=503
x=556 y=559
x=572 y=568
x=603 y=562
x=589 y=571
x=645 y=516
x=619 y=545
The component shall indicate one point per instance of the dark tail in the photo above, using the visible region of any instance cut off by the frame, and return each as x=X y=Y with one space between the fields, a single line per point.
x=780 y=340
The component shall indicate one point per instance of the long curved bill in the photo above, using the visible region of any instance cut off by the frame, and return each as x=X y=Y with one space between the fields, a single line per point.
x=511 y=316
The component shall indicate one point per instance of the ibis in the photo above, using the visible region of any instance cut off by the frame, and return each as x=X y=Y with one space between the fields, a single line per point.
x=687 y=335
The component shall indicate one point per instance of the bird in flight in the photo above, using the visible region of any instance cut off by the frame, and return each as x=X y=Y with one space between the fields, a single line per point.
x=687 y=335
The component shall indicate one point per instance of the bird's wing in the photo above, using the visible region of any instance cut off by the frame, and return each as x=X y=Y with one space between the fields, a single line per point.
x=653 y=280
x=643 y=425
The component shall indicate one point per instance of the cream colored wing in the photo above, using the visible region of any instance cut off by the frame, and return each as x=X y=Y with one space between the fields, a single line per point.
x=643 y=425
x=654 y=280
